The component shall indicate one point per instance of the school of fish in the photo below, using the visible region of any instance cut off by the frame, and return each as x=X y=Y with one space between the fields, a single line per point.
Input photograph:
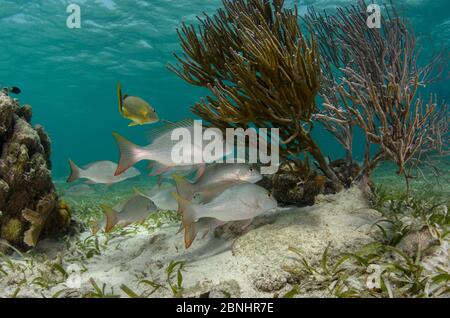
x=216 y=194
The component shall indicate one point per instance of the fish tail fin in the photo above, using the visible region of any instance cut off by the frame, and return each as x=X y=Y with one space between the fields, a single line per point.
x=75 y=172
x=119 y=96
x=185 y=189
x=111 y=218
x=186 y=209
x=130 y=154
x=190 y=232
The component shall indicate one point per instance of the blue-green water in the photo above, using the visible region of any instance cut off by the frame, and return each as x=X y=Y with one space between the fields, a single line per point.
x=69 y=76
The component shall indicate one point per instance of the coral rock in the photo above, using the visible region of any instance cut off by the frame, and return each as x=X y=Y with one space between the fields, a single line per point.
x=12 y=230
x=421 y=240
x=290 y=187
x=28 y=200
x=38 y=218
x=26 y=112
x=6 y=118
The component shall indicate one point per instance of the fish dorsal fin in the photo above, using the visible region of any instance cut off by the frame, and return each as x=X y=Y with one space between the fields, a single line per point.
x=157 y=132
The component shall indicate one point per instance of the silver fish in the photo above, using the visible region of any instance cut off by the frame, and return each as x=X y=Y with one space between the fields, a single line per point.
x=79 y=190
x=163 y=172
x=215 y=180
x=162 y=196
x=208 y=225
x=99 y=172
x=160 y=149
x=241 y=202
x=135 y=209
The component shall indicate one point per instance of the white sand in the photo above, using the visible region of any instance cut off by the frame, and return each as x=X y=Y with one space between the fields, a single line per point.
x=250 y=265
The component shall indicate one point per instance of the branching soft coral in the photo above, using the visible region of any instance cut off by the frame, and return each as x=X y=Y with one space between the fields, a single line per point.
x=261 y=70
x=372 y=80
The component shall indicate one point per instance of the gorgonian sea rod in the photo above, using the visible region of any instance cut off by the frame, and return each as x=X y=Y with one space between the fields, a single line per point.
x=264 y=70
x=261 y=70
x=372 y=80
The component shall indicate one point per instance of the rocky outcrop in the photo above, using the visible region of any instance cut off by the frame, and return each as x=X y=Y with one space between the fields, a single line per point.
x=291 y=189
x=29 y=205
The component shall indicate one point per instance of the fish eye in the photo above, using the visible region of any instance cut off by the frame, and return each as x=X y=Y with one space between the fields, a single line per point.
x=269 y=195
x=251 y=169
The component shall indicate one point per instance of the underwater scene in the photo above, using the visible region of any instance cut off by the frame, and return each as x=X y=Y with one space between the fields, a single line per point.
x=224 y=149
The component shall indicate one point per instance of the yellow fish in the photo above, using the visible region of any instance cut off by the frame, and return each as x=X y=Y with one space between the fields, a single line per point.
x=136 y=109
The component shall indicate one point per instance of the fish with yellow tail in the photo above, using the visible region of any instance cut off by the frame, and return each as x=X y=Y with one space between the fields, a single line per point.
x=135 y=109
x=241 y=202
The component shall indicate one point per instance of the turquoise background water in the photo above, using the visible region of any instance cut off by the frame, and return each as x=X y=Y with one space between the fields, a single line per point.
x=69 y=76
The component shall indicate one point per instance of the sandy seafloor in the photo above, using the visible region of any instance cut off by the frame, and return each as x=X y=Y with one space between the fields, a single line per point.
x=143 y=260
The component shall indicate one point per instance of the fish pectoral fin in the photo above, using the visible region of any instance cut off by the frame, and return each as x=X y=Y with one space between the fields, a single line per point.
x=205 y=234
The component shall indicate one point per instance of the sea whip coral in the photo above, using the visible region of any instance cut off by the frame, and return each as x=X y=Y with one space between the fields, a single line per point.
x=263 y=71
x=372 y=80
